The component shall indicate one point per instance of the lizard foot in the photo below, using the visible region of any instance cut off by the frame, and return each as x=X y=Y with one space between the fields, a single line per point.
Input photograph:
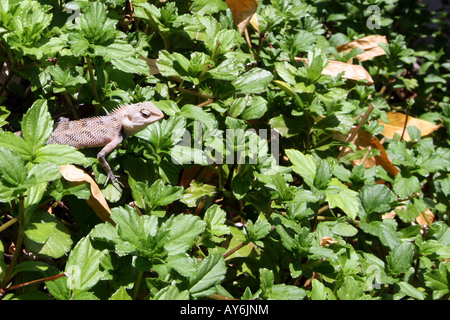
x=115 y=182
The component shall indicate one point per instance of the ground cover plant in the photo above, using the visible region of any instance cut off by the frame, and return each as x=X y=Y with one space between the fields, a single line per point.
x=304 y=153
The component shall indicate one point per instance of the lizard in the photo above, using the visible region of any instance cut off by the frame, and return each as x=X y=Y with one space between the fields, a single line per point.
x=106 y=131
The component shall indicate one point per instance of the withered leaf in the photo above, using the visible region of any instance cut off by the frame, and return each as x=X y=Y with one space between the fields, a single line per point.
x=397 y=125
x=351 y=71
x=369 y=44
x=243 y=11
x=363 y=140
x=96 y=201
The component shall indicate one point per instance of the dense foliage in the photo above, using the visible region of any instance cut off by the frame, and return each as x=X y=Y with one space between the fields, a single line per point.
x=294 y=189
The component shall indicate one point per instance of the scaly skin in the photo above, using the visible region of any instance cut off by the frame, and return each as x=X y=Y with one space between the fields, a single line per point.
x=106 y=131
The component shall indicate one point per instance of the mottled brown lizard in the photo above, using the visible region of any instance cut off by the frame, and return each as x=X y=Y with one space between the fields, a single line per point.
x=106 y=131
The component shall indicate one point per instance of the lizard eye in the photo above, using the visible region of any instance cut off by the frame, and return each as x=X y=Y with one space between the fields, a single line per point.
x=145 y=113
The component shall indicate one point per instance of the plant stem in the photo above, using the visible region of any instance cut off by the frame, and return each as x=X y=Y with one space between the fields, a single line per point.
x=8 y=224
x=18 y=243
x=358 y=128
x=137 y=284
x=220 y=174
x=216 y=48
x=72 y=108
x=195 y=93
x=51 y=278
x=205 y=103
x=216 y=296
x=229 y=253
x=406 y=124
x=91 y=76
x=202 y=74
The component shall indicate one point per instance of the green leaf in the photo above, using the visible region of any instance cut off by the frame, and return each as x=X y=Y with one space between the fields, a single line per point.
x=83 y=266
x=172 y=292
x=78 y=44
x=304 y=165
x=196 y=113
x=278 y=291
x=266 y=279
x=438 y=280
x=400 y=258
x=37 y=124
x=227 y=70
x=318 y=291
x=47 y=236
x=256 y=110
x=323 y=175
x=60 y=154
x=351 y=289
x=258 y=230
x=12 y=167
x=288 y=127
x=95 y=24
x=384 y=231
x=64 y=79
x=131 y=64
x=314 y=71
x=409 y=290
x=287 y=292
x=121 y=294
x=195 y=192
x=159 y=194
x=130 y=226
x=404 y=187
x=223 y=40
x=211 y=272
x=253 y=81
x=13 y=141
x=215 y=223
x=344 y=229
x=182 y=231
x=42 y=172
x=30 y=266
x=375 y=198
x=183 y=264
x=407 y=213
x=173 y=65
x=339 y=195
x=202 y=7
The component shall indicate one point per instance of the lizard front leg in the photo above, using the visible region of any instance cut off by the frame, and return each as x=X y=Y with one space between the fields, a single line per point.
x=101 y=159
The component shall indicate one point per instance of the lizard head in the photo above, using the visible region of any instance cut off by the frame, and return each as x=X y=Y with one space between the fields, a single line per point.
x=140 y=115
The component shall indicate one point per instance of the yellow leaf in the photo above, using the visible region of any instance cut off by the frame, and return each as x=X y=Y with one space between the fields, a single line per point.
x=243 y=11
x=369 y=44
x=425 y=219
x=397 y=124
x=97 y=201
x=351 y=71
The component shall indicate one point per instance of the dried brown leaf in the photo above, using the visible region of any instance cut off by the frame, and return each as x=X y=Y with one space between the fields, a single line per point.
x=97 y=201
x=425 y=219
x=397 y=124
x=327 y=241
x=363 y=140
x=351 y=71
x=369 y=44
x=243 y=11
x=152 y=65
